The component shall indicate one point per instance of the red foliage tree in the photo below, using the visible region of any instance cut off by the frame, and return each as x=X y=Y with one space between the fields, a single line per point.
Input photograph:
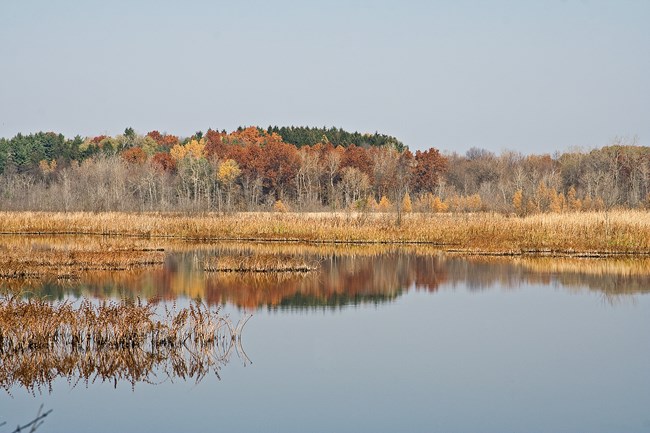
x=215 y=145
x=164 y=162
x=429 y=167
x=263 y=156
x=156 y=136
x=279 y=164
x=358 y=158
x=166 y=140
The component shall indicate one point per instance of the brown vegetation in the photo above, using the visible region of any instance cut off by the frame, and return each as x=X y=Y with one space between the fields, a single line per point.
x=110 y=341
x=595 y=233
x=259 y=263
x=45 y=262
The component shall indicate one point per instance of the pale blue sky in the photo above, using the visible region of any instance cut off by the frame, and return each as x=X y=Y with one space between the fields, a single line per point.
x=534 y=76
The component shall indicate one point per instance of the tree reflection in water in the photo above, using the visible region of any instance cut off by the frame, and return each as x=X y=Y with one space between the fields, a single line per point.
x=347 y=275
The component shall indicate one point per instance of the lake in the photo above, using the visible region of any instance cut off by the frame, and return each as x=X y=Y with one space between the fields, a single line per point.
x=377 y=339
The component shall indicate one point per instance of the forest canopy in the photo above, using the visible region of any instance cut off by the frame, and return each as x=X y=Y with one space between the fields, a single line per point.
x=308 y=169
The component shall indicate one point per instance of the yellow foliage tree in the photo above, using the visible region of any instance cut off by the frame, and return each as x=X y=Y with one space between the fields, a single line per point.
x=438 y=205
x=228 y=172
x=371 y=203
x=406 y=203
x=178 y=152
x=555 y=204
x=574 y=203
x=453 y=203
x=384 y=204
x=518 y=201
x=195 y=148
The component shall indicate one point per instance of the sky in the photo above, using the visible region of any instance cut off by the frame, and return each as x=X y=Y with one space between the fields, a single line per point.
x=531 y=76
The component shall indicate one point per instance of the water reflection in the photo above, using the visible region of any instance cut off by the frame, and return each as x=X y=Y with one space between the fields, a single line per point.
x=78 y=346
x=476 y=358
x=37 y=370
x=346 y=276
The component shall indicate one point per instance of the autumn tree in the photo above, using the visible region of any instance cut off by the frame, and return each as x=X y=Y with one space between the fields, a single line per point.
x=384 y=204
x=164 y=162
x=518 y=201
x=134 y=155
x=227 y=174
x=215 y=145
x=428 y=170
x=357 y=157
x=279 y=165
x=166 y=141
x=406 y=203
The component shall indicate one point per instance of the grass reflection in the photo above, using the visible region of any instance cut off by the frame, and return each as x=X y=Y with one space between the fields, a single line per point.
x=110 y=342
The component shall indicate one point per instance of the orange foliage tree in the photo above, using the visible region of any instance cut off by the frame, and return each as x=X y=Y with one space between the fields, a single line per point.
x=134 y=155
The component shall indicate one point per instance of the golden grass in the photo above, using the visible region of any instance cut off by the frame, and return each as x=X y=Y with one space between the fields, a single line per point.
x=110 y=341
x=597 y=233
x=259 y=263
x=37 y=260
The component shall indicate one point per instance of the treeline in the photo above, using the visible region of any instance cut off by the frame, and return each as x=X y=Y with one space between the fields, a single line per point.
x=307 y=169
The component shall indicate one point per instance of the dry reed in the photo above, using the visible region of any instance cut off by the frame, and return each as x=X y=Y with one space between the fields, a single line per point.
x=597 y=233
x=23 y=262
x=259 y=263
x=110 y=341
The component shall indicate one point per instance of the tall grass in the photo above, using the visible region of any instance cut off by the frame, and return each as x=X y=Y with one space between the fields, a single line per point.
x=621 y=231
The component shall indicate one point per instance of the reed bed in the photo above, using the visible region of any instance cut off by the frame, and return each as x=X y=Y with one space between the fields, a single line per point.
x=110 y=341
x=40 y=263
x=596 y=233
x=259 y=263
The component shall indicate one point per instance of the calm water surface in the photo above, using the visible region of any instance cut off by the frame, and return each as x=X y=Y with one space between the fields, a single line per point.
x=385 y=340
